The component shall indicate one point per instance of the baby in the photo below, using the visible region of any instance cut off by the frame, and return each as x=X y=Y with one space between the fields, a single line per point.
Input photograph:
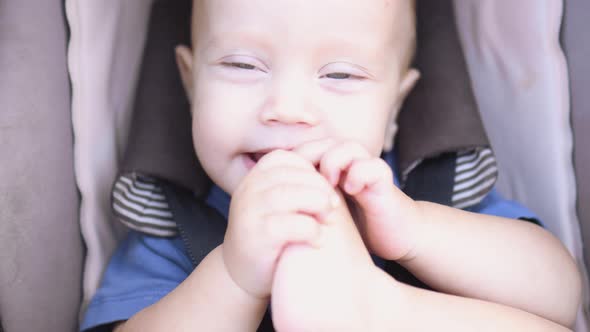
x=293 y=102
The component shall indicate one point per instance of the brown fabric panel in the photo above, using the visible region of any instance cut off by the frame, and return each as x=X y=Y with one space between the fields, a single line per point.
x=577 y=46
x=160 y=141
x=41 y=250
x=441 y=114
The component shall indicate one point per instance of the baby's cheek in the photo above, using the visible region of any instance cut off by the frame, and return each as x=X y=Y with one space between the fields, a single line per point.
x=371 y=136
x=374 y=142
x=213 y=161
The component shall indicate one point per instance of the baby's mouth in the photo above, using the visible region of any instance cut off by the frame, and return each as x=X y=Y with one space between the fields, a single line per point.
x=256 y=156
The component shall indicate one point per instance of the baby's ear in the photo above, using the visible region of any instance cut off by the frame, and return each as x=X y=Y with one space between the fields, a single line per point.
x=407 y=83
x=184 y=60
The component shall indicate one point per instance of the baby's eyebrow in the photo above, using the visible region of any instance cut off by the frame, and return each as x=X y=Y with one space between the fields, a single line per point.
x=357 y=48
x=365 y=55
x=240 y=39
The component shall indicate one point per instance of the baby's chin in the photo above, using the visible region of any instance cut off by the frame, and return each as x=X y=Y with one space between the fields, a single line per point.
x=228 y=180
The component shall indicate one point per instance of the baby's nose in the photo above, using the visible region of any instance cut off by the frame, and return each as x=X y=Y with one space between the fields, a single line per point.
x=289 y=104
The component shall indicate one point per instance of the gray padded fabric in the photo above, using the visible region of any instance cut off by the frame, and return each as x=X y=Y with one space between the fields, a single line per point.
x=40 y=242
x=440 y=115
x=577 y=47
x=160 y=141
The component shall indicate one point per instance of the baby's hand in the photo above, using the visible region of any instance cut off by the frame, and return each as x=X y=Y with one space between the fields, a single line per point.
x=280 y=202
x=384 y=215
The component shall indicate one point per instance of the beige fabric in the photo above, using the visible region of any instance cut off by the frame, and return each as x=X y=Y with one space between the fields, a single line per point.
x=106 y=42
x=521 y=81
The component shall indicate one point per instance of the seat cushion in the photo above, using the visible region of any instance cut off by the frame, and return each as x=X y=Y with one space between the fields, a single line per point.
x=577 y=53
x=40 y=245
x=522 y=87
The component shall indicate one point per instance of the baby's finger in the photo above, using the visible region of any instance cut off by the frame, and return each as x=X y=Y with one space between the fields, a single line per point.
x=313 y=151
x=297 y=198
x=339 y=159
x=282 y=175
x=279 y=158
x=291 y=228
x=373 y=174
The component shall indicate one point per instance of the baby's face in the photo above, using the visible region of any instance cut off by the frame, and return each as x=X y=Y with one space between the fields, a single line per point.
x=276 y=74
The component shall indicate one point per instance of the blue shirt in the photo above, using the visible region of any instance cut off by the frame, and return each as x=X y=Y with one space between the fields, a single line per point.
x=144 y=269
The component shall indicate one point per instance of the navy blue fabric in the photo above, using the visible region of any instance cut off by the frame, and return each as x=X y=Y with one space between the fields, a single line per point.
x=144 y=269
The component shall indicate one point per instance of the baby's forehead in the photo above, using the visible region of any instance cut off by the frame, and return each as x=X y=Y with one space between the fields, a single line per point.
x=385 y=28
x=386 y=16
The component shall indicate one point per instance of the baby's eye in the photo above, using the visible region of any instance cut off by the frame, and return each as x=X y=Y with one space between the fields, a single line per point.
x=342 y=76
x=241 y=68
x=240 y=65
x=343 y=71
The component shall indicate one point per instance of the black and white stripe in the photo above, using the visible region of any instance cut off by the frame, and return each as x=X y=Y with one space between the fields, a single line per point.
x=476 y=173
x=139 y=203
